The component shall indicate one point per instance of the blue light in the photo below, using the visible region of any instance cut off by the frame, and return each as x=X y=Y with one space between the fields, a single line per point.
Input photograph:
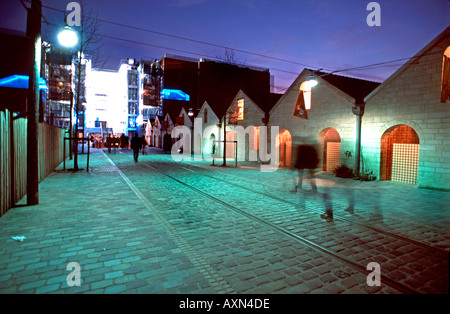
x=20 y=81
x=174 y=94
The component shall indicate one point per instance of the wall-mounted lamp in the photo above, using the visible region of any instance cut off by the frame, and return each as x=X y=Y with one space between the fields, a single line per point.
x=312 y=81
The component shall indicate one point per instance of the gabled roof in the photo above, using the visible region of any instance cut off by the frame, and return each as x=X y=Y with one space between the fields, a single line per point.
x=439 y=38
x=184 y=113
x=206 y=106
x=239 y=95
x=220 y=106
x=354 y=87
x=159 y=118
x=265 y=101
x=168 y=116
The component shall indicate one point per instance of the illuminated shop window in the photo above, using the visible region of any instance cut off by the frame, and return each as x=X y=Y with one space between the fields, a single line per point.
x=445 y=85
x=240 y=111
x=303 y=101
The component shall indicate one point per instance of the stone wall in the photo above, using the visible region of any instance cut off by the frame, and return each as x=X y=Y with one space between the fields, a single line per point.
x=411 y=96
x=253 y=116
x=330 y=108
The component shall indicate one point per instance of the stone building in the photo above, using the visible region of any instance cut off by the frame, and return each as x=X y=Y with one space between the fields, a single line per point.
x=325 y=116
x=210 y=131
x=246 y=114
x=405 y=130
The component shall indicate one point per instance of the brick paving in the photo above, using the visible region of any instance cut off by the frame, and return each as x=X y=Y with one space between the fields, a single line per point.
x=134 y=230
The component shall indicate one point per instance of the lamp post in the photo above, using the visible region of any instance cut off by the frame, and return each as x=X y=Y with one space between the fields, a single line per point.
x=224 y=118
x=224 y=140
x=358 y=111
x=191 y=114
x=69 y=38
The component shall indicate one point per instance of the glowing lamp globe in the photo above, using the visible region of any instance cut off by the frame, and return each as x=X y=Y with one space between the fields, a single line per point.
x=312 y=81
x=67 y=37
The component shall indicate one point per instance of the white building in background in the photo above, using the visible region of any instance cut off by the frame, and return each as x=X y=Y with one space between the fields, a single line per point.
x=106 y=102
x=117 y=101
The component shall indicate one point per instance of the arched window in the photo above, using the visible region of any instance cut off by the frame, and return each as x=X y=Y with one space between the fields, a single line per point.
x=331 y=149
x=285 y=140
x=399 y=160
x=445 y=85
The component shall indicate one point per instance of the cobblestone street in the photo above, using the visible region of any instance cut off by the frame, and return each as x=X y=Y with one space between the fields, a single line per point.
x=159 y=226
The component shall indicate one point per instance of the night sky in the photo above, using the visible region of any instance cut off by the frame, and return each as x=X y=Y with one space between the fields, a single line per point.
x=328 y=34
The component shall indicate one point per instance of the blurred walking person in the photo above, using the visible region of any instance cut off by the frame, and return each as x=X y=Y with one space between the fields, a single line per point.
x=123 y=141
x=306 y=159
x=143 y=144
x=136 y=146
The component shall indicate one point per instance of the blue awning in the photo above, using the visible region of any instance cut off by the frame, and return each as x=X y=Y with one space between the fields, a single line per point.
x=174 y=94
x=20 y=81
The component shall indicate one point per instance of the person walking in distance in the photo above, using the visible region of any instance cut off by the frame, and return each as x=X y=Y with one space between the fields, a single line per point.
x=136 y=146
x=143 y=144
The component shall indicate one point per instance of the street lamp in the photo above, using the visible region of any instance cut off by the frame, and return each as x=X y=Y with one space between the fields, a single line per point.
x=358 y=111
x=69 y=38
x=312 y=81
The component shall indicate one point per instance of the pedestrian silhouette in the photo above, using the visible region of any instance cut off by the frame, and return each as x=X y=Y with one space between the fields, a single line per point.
x=143 y=144
x=167 y=143
x=109 y=143
x=136 y=146
x=306 y=159
x=123 y=141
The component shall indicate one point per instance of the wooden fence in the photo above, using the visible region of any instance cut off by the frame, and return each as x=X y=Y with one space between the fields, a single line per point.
x=13 y=156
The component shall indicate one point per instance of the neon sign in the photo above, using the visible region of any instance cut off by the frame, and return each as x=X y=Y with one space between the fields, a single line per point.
x=20 y=81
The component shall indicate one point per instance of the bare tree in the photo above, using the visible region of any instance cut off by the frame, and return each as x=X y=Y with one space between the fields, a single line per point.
x=89 y=42
x=229 y=57
x=91 y=39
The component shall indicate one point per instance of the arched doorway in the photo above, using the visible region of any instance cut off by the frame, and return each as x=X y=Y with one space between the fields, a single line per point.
x=285 y=140
x=209 y=147
x=331 y=149
x=399 y=160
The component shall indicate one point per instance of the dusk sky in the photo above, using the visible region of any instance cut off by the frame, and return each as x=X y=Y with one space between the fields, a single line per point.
x=283 y=36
